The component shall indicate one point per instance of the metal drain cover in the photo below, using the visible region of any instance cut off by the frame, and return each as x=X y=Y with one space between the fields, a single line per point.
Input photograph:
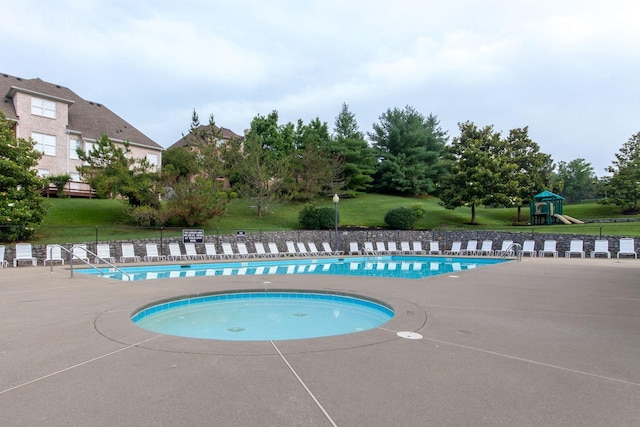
x=409 y=335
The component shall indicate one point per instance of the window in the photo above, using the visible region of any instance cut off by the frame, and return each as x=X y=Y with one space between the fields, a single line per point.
x=75 y=177
x=152 y=159
x=73 y=146
x=43 y=173
x=43 y=107
x=45 y=143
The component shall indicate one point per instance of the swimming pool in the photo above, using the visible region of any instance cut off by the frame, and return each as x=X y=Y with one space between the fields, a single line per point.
x=263 y=315
x=403 y=267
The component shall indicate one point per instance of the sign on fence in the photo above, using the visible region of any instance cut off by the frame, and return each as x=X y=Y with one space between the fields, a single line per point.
x=192 y=236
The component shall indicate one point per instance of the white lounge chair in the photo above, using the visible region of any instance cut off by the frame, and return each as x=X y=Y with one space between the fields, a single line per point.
x=576 y=247
x=627 y=248
x=456 y=249
x=549 y=248
x=434 y=248
x=210 y=251
x=128 y=253
x=273 y=249
x=328 y=250
x=191 y=251
x=313 y=249
x=506 y=249
x=380 y=248
x=392 y=248
x=79 y=252
x=243 y=252
x=260 y=252
x=601 y=247
x=368 y=249
x=152 y=253
x=24 y=252
x=529 y=248
x=53 y=254
x=227 y=250
x=353 y=248
x=175 y=253
x=291 y=248
x=417 y=248
x=405 y=248
x=486 y=248
x=103 y=253
x=471 y=249
x=302 y=249
x=3 y=262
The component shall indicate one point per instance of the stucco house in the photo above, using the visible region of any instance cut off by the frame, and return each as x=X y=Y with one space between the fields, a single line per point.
x=60 y=121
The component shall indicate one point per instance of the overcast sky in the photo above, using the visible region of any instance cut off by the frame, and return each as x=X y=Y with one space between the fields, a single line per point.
x=569 y=70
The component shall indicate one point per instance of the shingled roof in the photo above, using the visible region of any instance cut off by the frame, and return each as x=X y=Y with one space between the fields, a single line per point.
x=225 y=133
x=91 y=119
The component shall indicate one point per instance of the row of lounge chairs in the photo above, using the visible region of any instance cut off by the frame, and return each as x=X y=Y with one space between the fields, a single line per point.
x=24 y=251
x=391 y=248
x=54 y=253
x=576 y=247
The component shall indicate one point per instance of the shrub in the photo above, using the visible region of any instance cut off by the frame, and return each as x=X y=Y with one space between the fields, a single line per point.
x=314 y=218
x=401 y=218
x=60 y=181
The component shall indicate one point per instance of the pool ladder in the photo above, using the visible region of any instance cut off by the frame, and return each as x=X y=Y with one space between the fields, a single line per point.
x=515 y=248
x=72 y=256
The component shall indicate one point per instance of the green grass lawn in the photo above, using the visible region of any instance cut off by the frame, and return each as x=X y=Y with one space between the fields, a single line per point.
x=75 y=220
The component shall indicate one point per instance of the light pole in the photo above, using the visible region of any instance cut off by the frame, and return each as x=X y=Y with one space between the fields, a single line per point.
x=336 y=199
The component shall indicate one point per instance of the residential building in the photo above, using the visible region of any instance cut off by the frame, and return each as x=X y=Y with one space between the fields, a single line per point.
x=204 y=134
x=60 y=121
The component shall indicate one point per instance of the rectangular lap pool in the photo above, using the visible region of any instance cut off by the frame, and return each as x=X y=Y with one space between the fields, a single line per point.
x=400 y=267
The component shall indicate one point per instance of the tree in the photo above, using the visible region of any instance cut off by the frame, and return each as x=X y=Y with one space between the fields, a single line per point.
x=264 y=169
x=179 y=162
x=478 y=167
x=196 y=201
x=113 y=172
x=576 y=179
x=316 y=169
x=410 y=148
x=623 y=186
x=533 y=168
x=22 y=206
x=349 y=144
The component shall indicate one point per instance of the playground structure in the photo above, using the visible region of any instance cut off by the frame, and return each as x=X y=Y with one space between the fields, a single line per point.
x=546 y=209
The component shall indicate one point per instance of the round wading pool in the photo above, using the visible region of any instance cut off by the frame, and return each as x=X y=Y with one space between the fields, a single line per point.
x=263 y=316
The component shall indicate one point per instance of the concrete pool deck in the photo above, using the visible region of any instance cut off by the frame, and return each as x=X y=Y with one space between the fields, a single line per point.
x=553 y=342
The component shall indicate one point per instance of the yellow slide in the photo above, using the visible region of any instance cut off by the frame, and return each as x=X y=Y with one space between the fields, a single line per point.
x=566 y=219
x=562 y=218
x=572 y=219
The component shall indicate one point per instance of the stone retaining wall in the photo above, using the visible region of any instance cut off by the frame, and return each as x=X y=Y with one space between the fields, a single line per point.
x=445 y=238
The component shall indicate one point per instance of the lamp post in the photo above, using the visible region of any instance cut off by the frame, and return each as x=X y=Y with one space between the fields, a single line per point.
x=336 y=199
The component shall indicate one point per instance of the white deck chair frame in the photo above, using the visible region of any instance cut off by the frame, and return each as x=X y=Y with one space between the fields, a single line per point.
x=24 y=252
x=576 y=247
x=3 y=262
x=548 y=248
x=601 y=247
x=627 y=248
x=471 y=249
x=506 y=249
x=456 y=248
x=152 y=253
x=79 y=252
x=128 y=253
x=529 y=248
x=103 y=253
x=53 y=254
x=434 y=248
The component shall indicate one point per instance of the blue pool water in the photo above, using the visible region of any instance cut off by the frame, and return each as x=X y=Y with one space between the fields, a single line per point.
x=263 y=316
x=404 y=267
